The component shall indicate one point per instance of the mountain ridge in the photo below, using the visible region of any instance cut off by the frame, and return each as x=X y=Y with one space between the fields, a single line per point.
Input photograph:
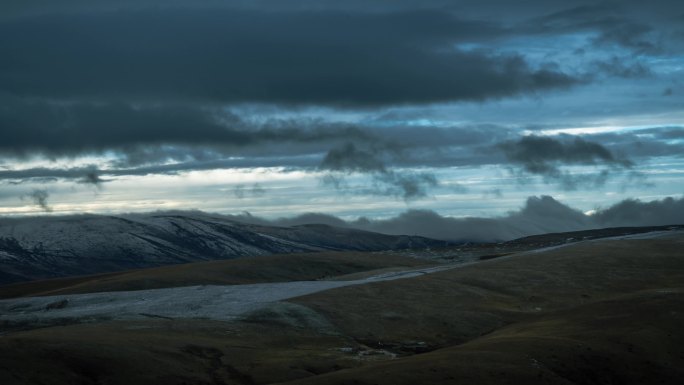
x=50 y=247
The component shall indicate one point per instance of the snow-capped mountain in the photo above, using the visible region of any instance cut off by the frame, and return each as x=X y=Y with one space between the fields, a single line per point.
x=45 y=247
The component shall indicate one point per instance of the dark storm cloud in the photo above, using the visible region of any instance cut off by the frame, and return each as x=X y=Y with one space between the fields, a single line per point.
x=538 y=154
x=611 y=20
x=40 y=198
x=146 y=138
x=380 y=152
x=339 y=162
x=386 y=154
x=198 y=138
x=349 y=159
x=15 y=8
x=305 y=57
x=72 y=129
x=539 y=215
x=57 y=129
x=408 y=185
x=150 y=70
x=31 y=7
x=547 y=156
x=447 y=146
x=161 y=133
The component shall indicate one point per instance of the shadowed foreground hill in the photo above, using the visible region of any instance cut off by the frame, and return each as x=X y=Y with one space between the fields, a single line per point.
x=591 y=313
x=594 y=312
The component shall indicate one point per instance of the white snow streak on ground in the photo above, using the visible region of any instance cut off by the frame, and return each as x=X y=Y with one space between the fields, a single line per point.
x=211 y=301
x=571 y=241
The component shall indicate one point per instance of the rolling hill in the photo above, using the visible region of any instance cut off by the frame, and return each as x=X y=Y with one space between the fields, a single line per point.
x=49 y=247
x=598 y=311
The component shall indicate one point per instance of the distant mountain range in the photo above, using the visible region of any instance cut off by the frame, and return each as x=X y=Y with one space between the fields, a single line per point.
x=48 y=247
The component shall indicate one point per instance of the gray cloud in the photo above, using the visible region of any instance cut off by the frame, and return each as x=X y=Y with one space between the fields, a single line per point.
x=349 y=159
x=302 y=219
x=213 y=145
x=623 y=67
x=611 y=21
x=360 y=53
x=92 y=178
x=230 y=55
x=664 y=133
x=47 y=174
x=143 y=135
x=536 y=152
x=381 y=151
x=645 y=143
x=39 y=198
x=153 y=82
x=546 y=156
x=539 y=215
x=152 y=132
x=635 y=36
x=633 y=212
x=57 y=129
x=15 y=8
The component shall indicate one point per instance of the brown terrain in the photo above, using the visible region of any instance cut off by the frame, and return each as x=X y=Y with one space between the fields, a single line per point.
x=593 y=312
x=275 y=268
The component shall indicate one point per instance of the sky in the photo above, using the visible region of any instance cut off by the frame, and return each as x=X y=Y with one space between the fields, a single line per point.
x=369 y=111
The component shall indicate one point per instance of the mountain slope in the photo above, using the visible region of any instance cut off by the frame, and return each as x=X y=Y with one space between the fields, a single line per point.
x=35 y=248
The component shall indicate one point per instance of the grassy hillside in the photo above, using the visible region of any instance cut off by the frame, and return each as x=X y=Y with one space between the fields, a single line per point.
x=599 y=312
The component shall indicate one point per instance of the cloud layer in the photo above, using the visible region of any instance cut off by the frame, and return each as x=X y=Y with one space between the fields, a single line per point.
x=246 y=56
x=539 y=215
x=546 y=156
x=381 y=98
